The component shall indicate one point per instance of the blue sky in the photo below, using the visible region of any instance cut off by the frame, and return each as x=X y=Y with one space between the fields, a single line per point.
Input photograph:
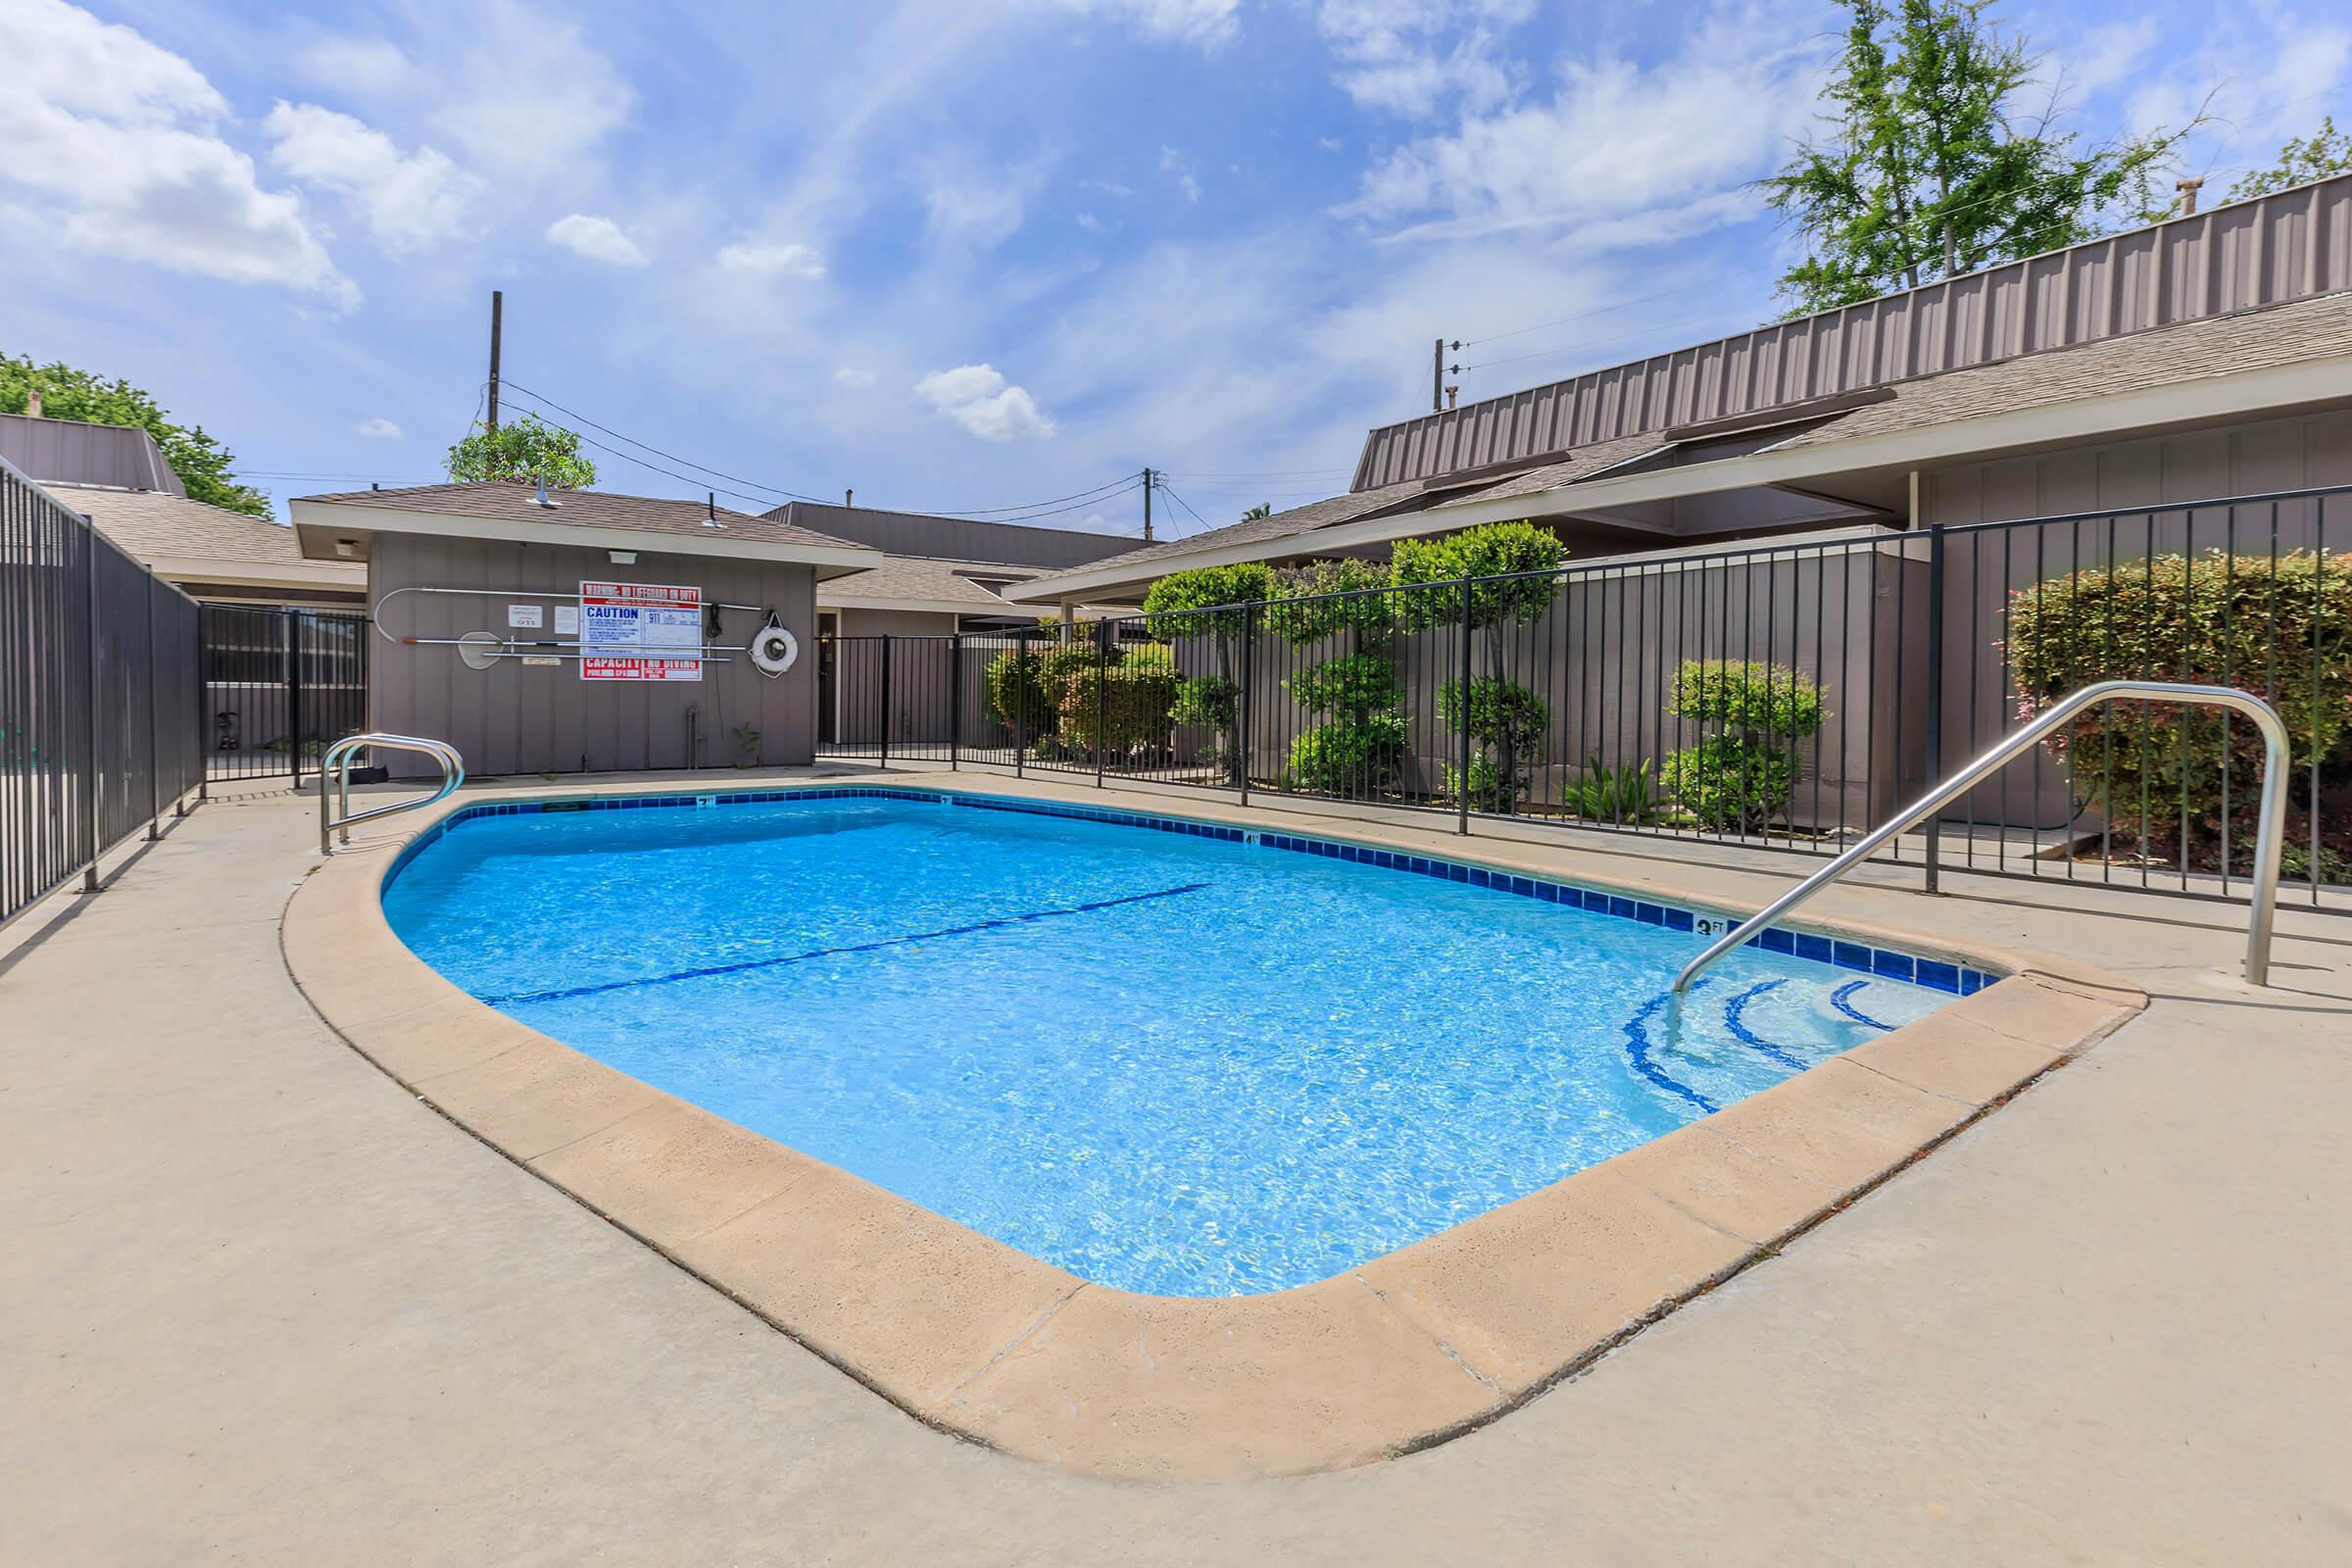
x=952 y=254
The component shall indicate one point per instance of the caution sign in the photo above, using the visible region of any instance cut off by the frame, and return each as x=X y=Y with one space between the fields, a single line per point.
x=639 y=631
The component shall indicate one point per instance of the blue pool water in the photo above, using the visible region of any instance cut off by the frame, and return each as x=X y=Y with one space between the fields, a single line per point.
x=1166 y=1062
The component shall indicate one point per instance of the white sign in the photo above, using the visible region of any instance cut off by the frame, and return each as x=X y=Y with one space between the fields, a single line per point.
x=567 y=621
x=525 y=617
x=639 y=631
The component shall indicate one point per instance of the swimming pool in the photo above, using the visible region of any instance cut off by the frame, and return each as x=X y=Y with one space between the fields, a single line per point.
x=1168 y=1057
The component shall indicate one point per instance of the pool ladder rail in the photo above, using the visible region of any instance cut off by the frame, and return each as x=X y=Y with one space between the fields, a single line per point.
x=2269 y=837
x=334 y=818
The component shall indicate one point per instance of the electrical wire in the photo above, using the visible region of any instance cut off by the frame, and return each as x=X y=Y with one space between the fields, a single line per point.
x=1186 y=505
x=647 y=445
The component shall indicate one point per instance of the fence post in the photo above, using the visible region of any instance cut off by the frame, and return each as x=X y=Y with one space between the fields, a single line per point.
x=1461 y=781
x=294 y=697
x=1020 y=700
x=1241 y=701
x=1935 y=752
x=954 y=699
x=204 y=717
x=886 y=698
x=1101 y=696
x=89 y=780
x=154 y=759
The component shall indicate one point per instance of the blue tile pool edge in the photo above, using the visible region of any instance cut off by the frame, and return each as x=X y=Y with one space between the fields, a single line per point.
x=1829 y=951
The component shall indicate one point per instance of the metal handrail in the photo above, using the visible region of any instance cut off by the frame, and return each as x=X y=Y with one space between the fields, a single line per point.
x=2270 y=836
x=338 y=761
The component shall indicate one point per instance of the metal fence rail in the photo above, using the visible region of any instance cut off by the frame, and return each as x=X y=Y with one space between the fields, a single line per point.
x=98 y=695
x=1786 y=696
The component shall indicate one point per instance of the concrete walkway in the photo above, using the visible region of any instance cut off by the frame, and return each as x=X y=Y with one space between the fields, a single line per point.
x=259 y=1305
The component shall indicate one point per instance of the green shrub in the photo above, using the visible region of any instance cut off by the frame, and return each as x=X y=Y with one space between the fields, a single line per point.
x=1184 y=603
x=1304 y=611
x=1353 y=683
x=1016 y=689
x=1730 y=783
x=1772 y=698
x=1348 y=755
x=1506 y=722
x=1205 y=700
x=1118 y=706
x=1503 y=713
x=1605 y=793
x=2282 y=630
x=1489 y=789
x=1498 y=550
x=1736 y=779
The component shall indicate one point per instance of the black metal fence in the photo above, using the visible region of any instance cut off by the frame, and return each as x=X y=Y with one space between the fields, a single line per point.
x=280 y=687
x=98 y=695
x=1789 y=696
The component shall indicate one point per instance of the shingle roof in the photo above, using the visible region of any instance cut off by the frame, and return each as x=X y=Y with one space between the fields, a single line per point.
x=2222 y=345
x=584 y=509
x=918 y=579
x=150 y=525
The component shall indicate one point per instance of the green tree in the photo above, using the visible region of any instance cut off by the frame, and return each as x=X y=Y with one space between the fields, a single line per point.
x=524 y=451
x=1258 y=512
x=1934 y=169
x=1210 y=602
x=205 y=466
x=1512 y=567
x=2325 y=151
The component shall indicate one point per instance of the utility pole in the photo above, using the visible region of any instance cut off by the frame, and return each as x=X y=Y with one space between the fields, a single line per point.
x=1148 y=482
x=1437 y=373
x=498 y=301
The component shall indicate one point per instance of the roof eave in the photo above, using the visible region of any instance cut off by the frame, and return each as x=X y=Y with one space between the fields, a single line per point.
x=317 y=524
x=2141 y=410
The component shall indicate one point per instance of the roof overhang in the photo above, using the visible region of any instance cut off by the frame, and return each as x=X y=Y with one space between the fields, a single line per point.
x=321 y=527
x=346 y=576
x=2106 y=417
x=2112 y=416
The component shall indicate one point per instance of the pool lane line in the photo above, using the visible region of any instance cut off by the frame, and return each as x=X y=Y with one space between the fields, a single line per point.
x=570 y=993
x=1748 y=1037
x=1637 y=1051
x=1838 y=999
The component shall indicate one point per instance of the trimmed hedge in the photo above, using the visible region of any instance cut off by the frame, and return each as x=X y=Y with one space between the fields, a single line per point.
x=1733 y=781
x=2282 y=630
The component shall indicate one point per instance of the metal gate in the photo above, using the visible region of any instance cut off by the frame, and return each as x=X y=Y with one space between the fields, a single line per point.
x=280 y=687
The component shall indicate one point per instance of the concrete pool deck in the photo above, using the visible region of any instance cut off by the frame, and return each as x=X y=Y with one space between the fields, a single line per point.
x=1389 y=1356
x=267 y=1305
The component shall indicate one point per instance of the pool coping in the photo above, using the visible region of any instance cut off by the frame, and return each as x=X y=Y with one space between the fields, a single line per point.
x=990 y=1344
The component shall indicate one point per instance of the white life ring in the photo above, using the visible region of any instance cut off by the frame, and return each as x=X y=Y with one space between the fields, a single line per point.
x=773 y=650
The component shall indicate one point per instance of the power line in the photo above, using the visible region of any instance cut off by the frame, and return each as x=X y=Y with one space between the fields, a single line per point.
x=1180 y=500
x=1053 y=507
x=507 y=383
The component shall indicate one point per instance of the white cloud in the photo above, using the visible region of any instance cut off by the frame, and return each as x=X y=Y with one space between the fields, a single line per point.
x=1615 y=141
x=855 y=379
x=1202 y=22
x=600 y=239
x=120 y=142
x=367 y=66
x=377 y=429
x=972 y=206
x=1397 y=56
x=1090 y=223
x=409 y=200
x=978 y=398
x=1174 y=162
x=771 y=258
x=528 y=95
